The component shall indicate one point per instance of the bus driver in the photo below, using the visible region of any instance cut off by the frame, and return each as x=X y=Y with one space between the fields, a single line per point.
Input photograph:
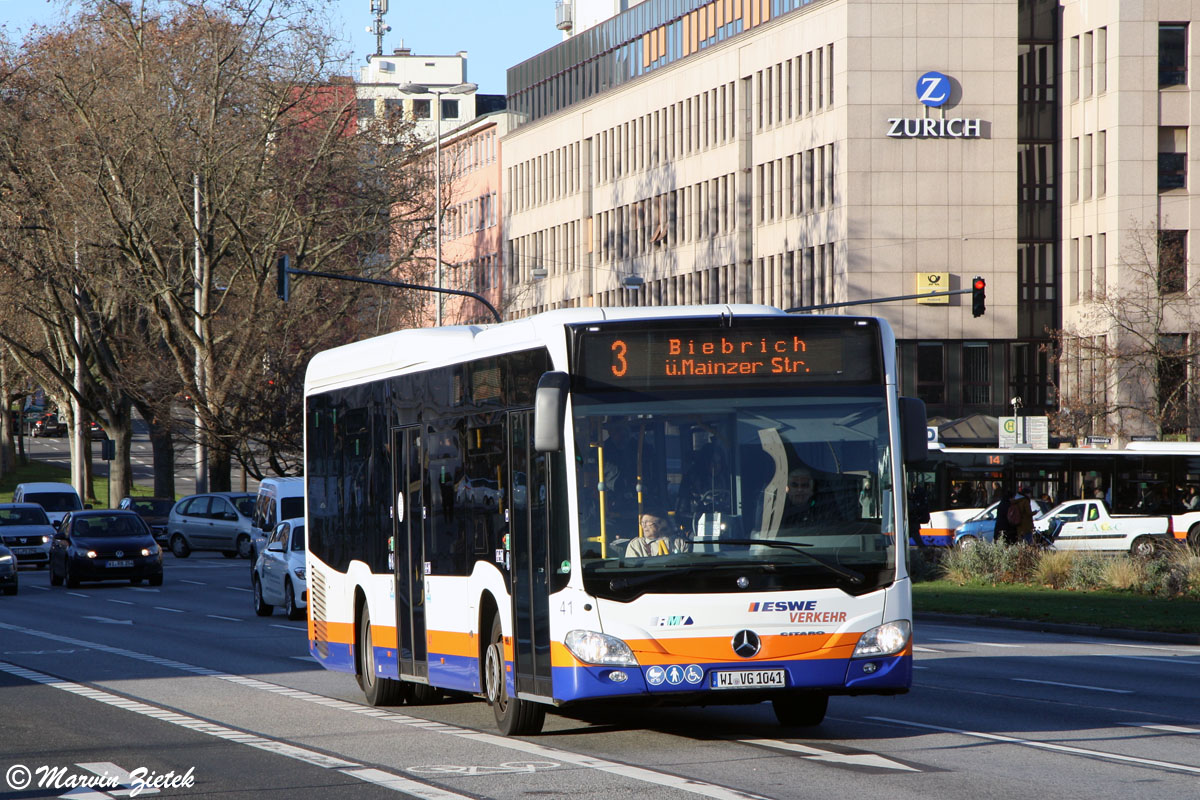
x=656 y=538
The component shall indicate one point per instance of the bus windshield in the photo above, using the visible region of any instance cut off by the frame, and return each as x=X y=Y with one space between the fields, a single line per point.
x=691 y=491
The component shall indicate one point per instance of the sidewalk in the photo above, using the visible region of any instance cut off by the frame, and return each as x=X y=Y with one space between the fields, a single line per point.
x=1060 y=627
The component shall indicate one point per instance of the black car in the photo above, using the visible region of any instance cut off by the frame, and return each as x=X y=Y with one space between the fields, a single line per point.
x=8 y=570
x=104 y=545
x=154 y=510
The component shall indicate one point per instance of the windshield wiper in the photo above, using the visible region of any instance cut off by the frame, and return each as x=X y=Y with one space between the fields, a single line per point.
x=620 y=584
x=854 y=576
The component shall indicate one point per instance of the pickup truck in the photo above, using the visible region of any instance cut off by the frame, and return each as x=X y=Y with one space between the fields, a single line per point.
x=1088 y=525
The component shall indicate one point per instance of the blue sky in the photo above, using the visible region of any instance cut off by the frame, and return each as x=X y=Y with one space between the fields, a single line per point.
x=496 y=34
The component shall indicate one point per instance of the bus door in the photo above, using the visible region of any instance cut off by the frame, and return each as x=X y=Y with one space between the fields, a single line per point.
x=528 y=509
x=408 y=550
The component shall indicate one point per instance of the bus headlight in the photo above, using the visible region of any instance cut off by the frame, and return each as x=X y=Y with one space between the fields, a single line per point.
x=884 y=640
x=599 y=648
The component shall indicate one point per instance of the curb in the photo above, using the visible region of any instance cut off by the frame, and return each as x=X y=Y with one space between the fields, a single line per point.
x=1061 y=627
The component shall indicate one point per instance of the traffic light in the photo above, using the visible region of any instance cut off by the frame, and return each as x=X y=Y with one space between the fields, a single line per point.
x=283 y=287
x=977 y=287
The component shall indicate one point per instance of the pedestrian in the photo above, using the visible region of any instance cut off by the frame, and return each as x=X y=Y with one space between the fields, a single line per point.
x=1001 y=533
x=1024 y=516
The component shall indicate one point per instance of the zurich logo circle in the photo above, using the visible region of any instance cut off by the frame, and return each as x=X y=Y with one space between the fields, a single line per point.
x=933 y=89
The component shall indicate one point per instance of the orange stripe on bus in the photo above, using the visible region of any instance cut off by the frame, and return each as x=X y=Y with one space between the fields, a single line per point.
x=453 y=644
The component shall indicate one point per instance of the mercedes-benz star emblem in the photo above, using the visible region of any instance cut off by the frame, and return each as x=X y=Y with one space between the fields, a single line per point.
x=746 y=644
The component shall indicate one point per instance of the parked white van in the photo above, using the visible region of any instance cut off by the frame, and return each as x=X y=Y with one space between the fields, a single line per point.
x=56 y=499
x=278 y=499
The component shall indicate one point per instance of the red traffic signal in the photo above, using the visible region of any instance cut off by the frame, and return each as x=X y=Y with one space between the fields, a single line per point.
x=977 y=296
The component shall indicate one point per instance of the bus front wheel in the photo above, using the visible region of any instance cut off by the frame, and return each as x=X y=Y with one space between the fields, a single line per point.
x=801 y=709
x=378 y=691
x=513 y=717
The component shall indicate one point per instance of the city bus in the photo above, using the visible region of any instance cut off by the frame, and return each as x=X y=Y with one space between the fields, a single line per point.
x=477 y=499
x=1154 y=478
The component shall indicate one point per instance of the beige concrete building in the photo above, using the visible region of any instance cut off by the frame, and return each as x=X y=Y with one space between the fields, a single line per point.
x=789 y=153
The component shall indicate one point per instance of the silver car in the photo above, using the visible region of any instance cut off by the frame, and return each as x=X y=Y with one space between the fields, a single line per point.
x=279 y=577
x=218 y=521
x=26 y=530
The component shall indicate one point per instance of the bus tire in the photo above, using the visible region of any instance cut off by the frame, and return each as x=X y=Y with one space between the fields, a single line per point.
x=513 y=717
x=1193 y=536
x=800 y=709
x=423 y=694
x=377 y=691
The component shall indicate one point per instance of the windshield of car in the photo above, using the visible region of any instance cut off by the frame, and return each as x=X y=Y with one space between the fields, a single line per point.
x=23 y=516
x=794 y=488
x=297 y=538
x=291 y=507
x=56 y=501
x=245 y=505
x=104 y=526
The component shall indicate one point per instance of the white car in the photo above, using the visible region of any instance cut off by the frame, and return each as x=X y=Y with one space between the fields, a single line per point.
x=279 y=578
x=57 y=499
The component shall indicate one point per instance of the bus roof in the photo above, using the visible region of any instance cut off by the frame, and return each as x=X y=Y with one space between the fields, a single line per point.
x=417 y=348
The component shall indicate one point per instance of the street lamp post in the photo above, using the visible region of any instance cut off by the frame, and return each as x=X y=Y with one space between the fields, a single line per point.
x=437 y=92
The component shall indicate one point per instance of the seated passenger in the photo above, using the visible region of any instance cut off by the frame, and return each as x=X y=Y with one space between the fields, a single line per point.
x=658 y=538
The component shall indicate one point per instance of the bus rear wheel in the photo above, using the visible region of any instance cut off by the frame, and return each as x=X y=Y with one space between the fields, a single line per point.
x=377 y=691
x=801 y=709
x=513 y=717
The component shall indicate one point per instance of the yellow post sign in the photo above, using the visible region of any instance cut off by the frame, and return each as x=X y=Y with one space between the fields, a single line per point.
x=933 y=282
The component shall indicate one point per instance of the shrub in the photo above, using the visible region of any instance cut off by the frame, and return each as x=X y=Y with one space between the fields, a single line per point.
x=984 y=562
x=1123 y=573
x=1054 y=569
x=1087 y=571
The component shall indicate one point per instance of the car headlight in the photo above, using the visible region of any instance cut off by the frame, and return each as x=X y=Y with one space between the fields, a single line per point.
x=4 y=559
x=146 y=551
x=91 y=554
x=591 y=647
x=884 y=640
x=45 y=539
x=299 y=572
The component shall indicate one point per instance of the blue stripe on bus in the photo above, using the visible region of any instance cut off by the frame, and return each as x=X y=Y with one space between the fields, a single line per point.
x=584 y=683
x=460 y=673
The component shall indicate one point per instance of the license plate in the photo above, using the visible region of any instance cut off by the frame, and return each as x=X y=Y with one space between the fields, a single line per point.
x=26 y=551
x=749 y=679
x=118 y=564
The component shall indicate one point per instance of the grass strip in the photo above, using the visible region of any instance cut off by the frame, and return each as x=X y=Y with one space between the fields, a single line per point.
x=1103 y=608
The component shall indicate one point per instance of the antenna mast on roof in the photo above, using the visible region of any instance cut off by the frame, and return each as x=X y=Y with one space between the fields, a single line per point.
x=379 y=8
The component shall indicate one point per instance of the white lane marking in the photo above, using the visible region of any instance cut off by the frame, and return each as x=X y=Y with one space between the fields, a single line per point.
x=172 y=610
x=143 y=589
x=578 y=759
x=1165 y=728
x=290 y=627
x=194 y=583
x=39 y=588
x=1160 y=659
x=313 y=757
x=111 y=621
x=304 y=658
x=398 y=784
x=122 y=602
x=980 y=644
x=917 y=649
x=1075 y=686
x=1059 y=748
x=78 y=594
x=817 y=754
x=238 y=589
x=218 y=616
x=1169 y=649
x=114 y=773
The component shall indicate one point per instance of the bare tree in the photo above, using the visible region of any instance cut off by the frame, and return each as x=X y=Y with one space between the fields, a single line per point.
x=184 y=146
x=1126 y=358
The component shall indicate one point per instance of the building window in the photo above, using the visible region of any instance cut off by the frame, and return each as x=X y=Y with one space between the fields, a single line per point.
x=1172 y=158
x=366 y=108
x=391 y=106
x=977 y=384
x=1172 y=382
x=1101 y=60
x=1101 y=163
x=1172 y=54
x=421 y=109
x=1172 y=261
x=449 y=109
x=931 y=372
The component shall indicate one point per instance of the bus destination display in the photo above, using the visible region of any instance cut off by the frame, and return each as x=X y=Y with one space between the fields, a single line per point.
x=666 y=358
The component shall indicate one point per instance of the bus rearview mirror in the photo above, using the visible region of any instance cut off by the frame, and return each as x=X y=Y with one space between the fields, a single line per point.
x=914 y=438
x=549 y=412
